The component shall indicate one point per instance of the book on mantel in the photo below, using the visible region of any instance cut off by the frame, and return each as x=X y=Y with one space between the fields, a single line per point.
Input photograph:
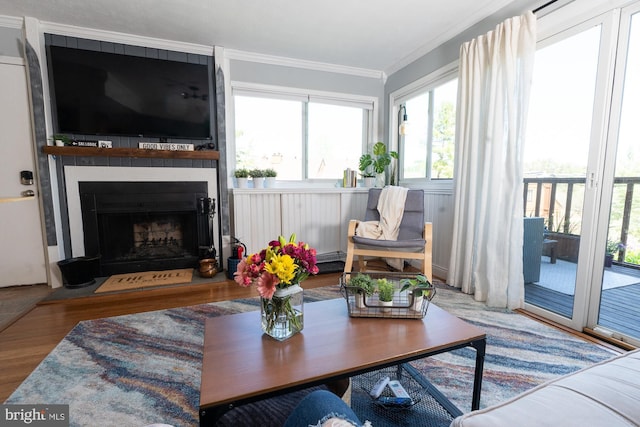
x=165 y=146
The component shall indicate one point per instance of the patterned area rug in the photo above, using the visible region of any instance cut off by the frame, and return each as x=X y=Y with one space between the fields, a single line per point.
x=144 y=368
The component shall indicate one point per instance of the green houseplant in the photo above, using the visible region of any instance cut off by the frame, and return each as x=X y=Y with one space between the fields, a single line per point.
x=366 y=170
x=242 y=176
x=364 y=286
x=270 y=178
x=613 y=247
x=59 y=140
x=366 y=166
x=376 y=164
x=385 y=290
x=420 y=287
x=241 y=173
x=610 y=252
x=257 y=175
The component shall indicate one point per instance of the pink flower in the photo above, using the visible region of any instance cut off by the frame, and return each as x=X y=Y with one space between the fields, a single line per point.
x=267 y=284
x=253 y=271
x=240 y=276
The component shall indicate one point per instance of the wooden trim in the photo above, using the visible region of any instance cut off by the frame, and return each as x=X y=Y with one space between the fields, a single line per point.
x=587 y=335
x=609 y=340
x=130 y=152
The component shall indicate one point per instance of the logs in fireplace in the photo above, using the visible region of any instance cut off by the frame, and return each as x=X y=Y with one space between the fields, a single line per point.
x=142 y=226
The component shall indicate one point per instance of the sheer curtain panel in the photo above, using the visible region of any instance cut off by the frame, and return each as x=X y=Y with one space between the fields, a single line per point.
x=494 y=80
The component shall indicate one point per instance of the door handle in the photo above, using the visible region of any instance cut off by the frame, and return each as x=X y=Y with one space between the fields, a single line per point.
x=25 y=195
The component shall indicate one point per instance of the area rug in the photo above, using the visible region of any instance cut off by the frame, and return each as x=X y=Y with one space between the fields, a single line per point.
x=144 y=368
x=145 y=279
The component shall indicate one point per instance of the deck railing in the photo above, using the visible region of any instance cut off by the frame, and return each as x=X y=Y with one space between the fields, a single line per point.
x=559 y=201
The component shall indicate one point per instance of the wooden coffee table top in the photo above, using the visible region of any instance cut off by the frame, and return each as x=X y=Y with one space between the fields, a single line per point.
x=240 y=363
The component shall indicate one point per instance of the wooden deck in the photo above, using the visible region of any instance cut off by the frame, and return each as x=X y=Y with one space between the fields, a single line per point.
x=619 y=308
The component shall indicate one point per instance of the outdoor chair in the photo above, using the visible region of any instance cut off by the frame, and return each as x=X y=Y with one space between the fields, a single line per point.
x=414 y=238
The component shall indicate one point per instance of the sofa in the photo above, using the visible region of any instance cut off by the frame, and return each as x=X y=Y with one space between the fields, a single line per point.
x=605 y=394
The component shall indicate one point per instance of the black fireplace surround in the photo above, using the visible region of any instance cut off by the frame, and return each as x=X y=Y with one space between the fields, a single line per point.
x=143 y=226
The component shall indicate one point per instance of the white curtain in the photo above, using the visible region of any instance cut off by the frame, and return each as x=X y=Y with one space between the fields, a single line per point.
x=494 y=79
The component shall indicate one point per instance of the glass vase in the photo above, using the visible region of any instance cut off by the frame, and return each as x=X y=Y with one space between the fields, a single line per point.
x=282 y=315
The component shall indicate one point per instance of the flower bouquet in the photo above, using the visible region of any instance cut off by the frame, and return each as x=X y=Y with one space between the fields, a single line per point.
x=277 y=272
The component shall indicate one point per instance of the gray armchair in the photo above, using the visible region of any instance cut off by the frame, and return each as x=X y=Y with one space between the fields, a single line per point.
x=414 y=239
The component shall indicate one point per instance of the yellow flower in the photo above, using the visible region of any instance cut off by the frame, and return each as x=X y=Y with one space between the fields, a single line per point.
x=282 y=266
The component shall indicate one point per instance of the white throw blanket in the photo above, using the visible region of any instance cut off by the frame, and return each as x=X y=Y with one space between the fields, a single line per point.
x=391 y=208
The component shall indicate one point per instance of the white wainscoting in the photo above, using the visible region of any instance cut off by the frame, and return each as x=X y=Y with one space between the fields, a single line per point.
x=320 y=217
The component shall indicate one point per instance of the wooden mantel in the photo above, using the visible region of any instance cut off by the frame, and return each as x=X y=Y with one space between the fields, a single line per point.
x=130 y=152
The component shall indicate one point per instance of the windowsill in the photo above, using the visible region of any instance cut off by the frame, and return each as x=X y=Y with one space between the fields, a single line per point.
x=430 y=187
x=300 y=189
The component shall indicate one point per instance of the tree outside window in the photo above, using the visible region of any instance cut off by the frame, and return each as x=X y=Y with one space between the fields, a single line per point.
x=428 y=147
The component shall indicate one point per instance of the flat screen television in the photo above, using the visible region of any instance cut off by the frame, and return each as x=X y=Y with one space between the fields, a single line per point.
x=99 y=93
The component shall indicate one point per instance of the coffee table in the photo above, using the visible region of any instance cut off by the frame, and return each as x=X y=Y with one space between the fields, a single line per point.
x=241 y=365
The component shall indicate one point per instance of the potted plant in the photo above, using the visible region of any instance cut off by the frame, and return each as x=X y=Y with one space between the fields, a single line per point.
x=376 y=164
x=420 y=287
x=363 y=286
x=242 y=177
x=610 y=252
x=257 y=175
x=366 y=170
x=61 y=140
x=270 y=178
x=385 y=290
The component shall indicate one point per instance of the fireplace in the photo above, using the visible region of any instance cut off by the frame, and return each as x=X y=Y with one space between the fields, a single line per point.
x=142 y=226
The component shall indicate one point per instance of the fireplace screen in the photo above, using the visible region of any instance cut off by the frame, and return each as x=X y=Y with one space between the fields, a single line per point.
x=144 y=226
x=160 y=237
x=149 y=236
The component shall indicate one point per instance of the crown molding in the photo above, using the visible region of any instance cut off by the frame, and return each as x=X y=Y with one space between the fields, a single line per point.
x=465 y=23
x=239 y=55
x=10 y=21
x=131 y=39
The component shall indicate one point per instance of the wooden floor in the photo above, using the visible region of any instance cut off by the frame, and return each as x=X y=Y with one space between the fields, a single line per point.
x=29 y=339
x=618 y=307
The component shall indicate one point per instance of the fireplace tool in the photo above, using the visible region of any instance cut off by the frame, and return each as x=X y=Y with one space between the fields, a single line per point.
x=208 y=261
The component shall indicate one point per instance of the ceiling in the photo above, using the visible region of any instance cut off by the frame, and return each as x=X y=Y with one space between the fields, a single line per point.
x=381 y=35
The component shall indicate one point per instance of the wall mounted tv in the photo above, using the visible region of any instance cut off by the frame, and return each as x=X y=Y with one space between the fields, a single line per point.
x=99 y=93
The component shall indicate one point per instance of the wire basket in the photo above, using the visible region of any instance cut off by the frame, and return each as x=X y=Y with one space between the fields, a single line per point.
x=405 y=304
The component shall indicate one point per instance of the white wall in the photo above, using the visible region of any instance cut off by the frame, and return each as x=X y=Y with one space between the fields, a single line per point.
x=265 y=70
x=321 y=217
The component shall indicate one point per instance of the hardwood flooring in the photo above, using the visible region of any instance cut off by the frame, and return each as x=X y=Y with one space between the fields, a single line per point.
x=29 y=339
x=16 y=300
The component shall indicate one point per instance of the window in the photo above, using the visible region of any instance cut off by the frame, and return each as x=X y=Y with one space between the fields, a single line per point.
x=301 y=136
x=427 y=148
x=336 y=135
x=268 y=135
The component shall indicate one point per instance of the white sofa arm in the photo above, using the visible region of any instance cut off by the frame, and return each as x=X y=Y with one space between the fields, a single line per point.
x=606 y=394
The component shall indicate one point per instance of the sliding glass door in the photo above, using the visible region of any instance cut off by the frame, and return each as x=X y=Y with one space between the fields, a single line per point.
x=616 y=312
x=556 y=164
x=581 y=171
